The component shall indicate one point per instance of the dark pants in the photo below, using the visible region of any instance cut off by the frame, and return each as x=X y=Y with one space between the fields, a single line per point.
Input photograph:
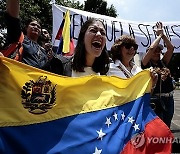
x=167 y=114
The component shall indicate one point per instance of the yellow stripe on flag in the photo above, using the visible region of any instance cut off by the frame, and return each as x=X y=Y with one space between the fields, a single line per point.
x=66 y=33
x=71 y=95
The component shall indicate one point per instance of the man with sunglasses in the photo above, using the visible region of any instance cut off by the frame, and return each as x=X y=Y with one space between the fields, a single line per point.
x=164 y=88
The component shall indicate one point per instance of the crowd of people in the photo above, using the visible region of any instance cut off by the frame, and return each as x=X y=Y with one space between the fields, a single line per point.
x=91 y=56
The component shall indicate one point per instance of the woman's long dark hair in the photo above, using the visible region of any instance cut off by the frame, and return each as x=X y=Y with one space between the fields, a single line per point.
x=101 y=63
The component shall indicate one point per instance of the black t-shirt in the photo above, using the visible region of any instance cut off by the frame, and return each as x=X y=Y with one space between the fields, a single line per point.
x=166 y=85
x=33 y=53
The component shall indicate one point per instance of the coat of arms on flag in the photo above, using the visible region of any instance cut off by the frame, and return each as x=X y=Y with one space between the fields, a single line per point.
x=38 y=96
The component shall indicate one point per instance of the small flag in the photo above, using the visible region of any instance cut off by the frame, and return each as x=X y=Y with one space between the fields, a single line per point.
x=66 y=44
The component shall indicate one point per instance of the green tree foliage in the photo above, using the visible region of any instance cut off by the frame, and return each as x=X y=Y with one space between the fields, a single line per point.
x=111 y=11
x=2 y=9
x=71 y=3
x=100 y=7
x=40 y=9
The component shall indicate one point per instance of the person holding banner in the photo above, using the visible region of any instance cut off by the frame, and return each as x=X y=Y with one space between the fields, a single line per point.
x=32 y=53
x=90 y=55
x=164 y=87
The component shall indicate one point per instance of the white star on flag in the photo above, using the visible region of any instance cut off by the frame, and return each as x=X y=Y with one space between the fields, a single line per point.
x=108 y=121
x=122 y=116
x=115 y=116
x=131 y=120
x=136 y=127
x=97 y=151
x=101 y=134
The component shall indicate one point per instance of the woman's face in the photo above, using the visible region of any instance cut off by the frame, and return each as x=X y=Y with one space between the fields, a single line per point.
x=128 y=51
x=95 y=40
x=34 y=30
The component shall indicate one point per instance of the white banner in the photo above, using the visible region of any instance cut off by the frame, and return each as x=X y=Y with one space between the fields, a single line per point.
x=141 y=31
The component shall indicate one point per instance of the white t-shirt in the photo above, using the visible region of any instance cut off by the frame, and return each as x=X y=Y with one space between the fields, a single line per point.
x=88 y=71
x=115 y=70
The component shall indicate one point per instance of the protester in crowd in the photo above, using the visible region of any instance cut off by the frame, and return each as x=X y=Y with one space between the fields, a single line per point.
x=45 y=39
x=33 y=54
x=90 y=55
x=164 y=87
x=54 y=65
x=122 y=53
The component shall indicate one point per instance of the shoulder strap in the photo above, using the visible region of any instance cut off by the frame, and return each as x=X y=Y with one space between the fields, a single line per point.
x=125 y=73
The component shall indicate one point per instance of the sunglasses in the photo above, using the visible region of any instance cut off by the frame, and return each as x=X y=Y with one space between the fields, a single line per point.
x=129 y=45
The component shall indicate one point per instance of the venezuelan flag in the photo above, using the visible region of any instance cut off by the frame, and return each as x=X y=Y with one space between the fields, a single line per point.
x=42 y=112
x=66 y=44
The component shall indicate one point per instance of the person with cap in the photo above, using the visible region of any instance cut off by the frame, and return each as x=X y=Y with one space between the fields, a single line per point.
x=164 y=87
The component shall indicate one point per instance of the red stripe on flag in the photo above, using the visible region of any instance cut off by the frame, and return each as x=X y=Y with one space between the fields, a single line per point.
x=157 y=138
x=59 y=34
x=71 y=52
